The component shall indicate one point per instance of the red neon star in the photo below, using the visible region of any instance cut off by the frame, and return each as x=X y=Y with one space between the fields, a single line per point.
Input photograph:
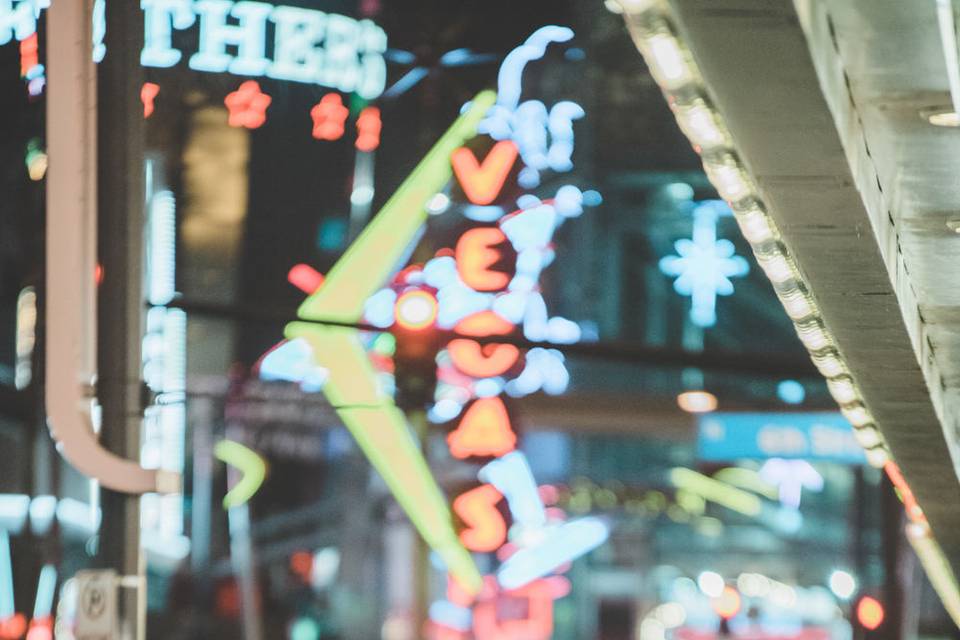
x=248 y=105
x=329 y=116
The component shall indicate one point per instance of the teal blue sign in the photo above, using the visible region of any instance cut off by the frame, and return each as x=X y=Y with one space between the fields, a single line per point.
x=823 y=436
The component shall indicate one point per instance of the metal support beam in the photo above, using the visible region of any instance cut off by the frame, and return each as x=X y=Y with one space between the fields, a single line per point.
x=120 y=301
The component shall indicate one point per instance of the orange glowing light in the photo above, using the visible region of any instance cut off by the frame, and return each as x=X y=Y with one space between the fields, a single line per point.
x=910 y=505
x=484 y=323
x=416 y=310
x=369 y=126
x=13 y=627
x=482 y=361
x=301 y=564
x=329 y=117
x=697 y=401
x=477 y=508
x=484 y=430
x=870 y=613
x=536 y=625
x=305 y=278
x=29 y=54
x=148 y=92
x=41 y=629
x=482 y=183
x=728 y=603
x=485 y=361
x=476 y=253
x=247 y=105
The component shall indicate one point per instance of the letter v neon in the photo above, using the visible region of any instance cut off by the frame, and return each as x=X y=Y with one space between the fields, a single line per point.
x=482 y=183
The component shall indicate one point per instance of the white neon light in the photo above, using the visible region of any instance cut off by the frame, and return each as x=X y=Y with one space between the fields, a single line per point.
x=249 y=36
x=7 y=607
x=791 y=477
x=160 y=18
x=309 y=46
x=99 y=30
x=18 y=18
x=560 y=544
x=295 y=56
x=512 y=477
x=46 y=591
x=43 y=509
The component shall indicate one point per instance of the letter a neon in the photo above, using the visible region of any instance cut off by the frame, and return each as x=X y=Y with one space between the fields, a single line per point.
x=485 y=430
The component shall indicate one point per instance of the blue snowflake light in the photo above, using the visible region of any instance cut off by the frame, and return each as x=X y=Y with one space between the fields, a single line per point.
x=704 y=265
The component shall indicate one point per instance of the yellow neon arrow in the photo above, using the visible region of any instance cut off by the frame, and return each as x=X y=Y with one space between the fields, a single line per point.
x=252 y=466
x=379 y=427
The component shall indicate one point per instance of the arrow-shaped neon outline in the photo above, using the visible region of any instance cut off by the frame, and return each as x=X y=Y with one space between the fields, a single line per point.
x=378 y=426
x=250 y=463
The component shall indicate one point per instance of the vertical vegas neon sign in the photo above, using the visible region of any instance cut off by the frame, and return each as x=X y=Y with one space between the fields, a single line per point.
x=478 y=299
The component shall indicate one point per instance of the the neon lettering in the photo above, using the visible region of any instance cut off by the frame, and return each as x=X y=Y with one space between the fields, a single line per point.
x=476 y=253
x=483 y=182
x=160 y=18
x=482 y=361
x=511 y=475
x=537 y=625
x=295 y=56
x=486 y=530
x=560 y=545
x=215 y=35
x=484 y=430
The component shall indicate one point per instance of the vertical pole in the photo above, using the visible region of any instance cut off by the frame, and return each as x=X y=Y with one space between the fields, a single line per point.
x=421 y=553
x=120 y=301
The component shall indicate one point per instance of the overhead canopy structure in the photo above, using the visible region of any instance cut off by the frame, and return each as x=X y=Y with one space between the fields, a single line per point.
x=826 y=107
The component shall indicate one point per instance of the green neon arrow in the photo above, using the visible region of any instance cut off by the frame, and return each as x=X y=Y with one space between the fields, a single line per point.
x=378 y=426
x=252 y=466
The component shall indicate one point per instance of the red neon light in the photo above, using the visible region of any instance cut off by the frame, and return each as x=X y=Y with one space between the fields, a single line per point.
x=247 y=105
x=415 y=310
x=870 y=613
x=41 y=629
x=910 y=505
x=476 y=253
x=484 y=323
x=13 y=627
x=482 y=183
x=478 y=510
x=305 y=278
x=329 y=117
x=148 y=92
x=29 y=54
x=482 y=361
x=537 y=624
x=484 y=430
x=369 y=126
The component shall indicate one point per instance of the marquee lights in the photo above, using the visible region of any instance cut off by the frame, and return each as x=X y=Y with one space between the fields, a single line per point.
x=651 y=26
x=308 y=46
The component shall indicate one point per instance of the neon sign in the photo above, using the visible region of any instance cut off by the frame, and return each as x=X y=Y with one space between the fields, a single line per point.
x=308 y=46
